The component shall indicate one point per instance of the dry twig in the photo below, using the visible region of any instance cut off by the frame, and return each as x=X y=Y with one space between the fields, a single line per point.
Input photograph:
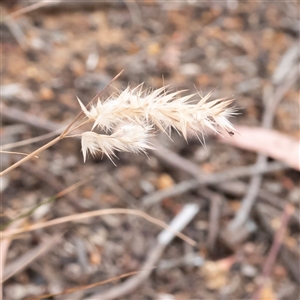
x=89 y=286
x=216 y=201
x=191 y=184
x=23 y=261
x=277 y=242
x=164 y=238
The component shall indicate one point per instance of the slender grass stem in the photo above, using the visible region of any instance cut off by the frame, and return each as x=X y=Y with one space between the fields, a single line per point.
x=31 y=155
x=62 y=135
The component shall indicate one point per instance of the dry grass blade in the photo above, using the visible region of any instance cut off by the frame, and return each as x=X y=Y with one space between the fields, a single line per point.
x=24 y=260
x=96 y=213
x=81 y=113
x=74 y=186
x=15 y=153
x=32 y=7
x=51 y=199
x=31 y=140
x=85 y=287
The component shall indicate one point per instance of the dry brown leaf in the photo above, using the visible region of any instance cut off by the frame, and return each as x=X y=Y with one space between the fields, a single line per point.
x=269 y=142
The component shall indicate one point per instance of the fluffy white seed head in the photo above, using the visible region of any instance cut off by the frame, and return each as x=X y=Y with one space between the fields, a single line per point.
x=129 y=138
x=161 y=108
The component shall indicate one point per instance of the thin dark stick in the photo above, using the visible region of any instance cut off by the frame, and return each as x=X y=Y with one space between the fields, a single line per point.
x=216 y=201
x=273 y=253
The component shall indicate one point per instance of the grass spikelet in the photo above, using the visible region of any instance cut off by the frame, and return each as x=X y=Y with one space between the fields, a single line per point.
x=130 y=138
x=143 y=109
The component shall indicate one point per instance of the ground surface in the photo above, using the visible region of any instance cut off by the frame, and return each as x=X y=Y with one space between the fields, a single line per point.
x=54 y=53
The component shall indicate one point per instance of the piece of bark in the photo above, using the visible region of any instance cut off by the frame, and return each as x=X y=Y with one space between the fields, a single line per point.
x=269 y=142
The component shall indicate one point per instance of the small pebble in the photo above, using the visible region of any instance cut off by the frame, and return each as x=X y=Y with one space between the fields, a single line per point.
x=249 y=271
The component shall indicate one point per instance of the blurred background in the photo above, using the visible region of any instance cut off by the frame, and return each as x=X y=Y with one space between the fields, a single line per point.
x=246 y=187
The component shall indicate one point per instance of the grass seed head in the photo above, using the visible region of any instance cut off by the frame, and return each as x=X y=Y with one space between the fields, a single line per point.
x=143 y=109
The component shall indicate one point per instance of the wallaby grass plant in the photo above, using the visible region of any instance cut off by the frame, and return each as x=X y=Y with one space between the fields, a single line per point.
x=130 y=117
x=125 y=122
